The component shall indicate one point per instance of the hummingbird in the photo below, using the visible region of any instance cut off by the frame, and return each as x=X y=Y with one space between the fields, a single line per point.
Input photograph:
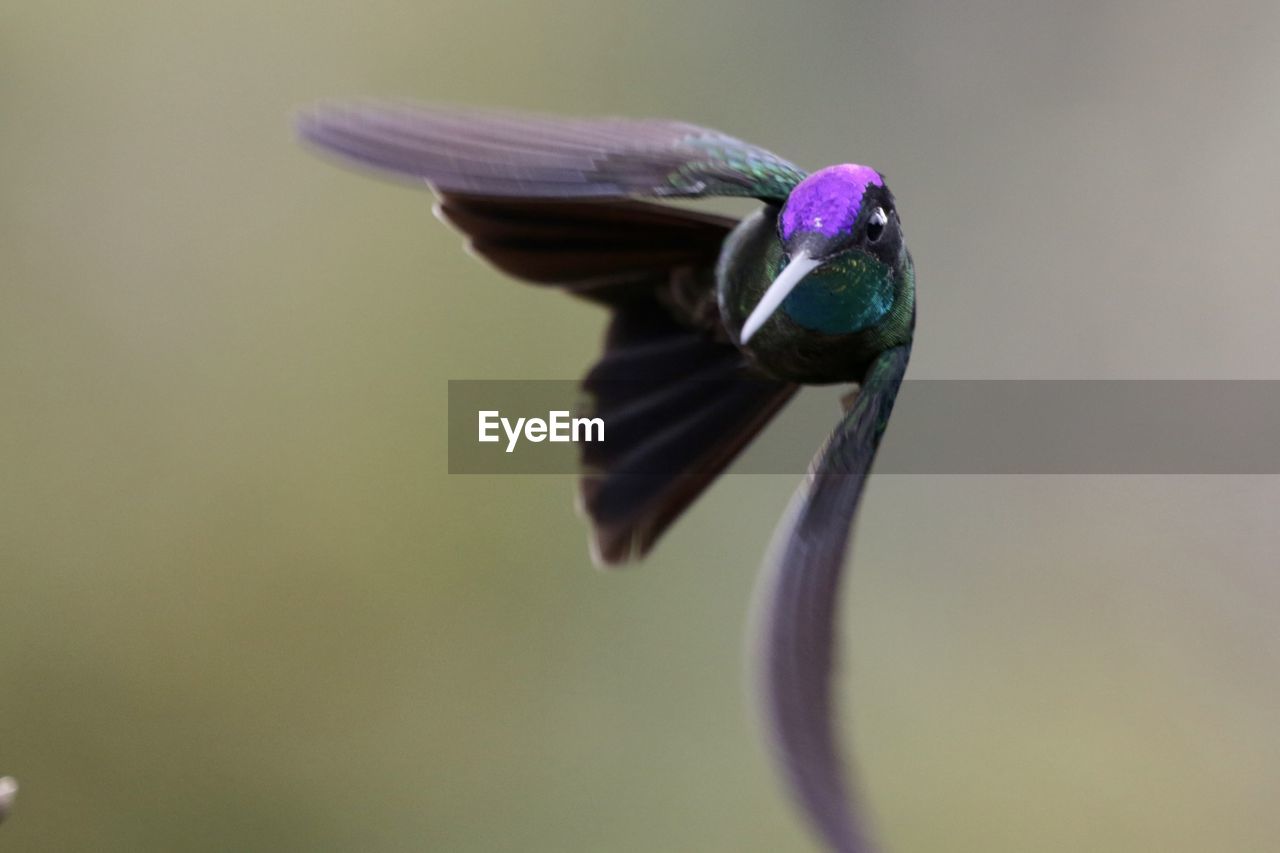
x=714 y=325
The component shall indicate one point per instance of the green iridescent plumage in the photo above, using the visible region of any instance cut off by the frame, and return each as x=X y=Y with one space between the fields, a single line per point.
x=877 y=302
x=755 y=173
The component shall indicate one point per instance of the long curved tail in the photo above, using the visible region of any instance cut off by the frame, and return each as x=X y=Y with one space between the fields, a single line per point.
x=796 y=611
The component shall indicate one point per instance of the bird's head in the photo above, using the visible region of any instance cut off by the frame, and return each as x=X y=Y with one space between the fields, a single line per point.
x=842 y=252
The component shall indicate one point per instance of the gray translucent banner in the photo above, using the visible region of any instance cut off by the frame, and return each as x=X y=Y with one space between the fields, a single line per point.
x=938 y=427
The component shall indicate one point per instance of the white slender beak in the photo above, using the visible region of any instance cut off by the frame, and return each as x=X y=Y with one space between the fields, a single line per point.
x=801 y=265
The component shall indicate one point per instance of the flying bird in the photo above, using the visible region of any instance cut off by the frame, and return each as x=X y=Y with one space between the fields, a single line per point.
x=715 y=323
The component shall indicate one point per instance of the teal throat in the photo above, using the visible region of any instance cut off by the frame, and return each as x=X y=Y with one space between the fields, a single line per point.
x=846 y=295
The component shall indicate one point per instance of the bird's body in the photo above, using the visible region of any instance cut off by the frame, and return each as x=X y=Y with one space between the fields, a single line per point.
x=715 y=323
x=836 y=320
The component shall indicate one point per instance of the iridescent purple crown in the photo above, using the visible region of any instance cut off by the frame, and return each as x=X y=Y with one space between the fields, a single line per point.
x=827 y=202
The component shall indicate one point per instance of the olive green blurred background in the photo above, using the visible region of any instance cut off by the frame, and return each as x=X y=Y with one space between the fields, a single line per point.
x=244 y=608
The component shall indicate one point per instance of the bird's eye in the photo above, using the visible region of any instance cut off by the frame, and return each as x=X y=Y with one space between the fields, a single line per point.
x=876 y=223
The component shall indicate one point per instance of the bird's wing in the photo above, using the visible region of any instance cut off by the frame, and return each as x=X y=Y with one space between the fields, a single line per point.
x=503 y=154
x=680 y=402
x=796 y=609
x=679 y=406
x=610 y=252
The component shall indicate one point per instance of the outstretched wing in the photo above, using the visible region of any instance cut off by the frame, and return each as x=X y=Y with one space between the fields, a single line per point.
x=549 y=201
x=679 y=406
x=797 y=609
x=502 y=154
x=610 y=252
x=680 y=402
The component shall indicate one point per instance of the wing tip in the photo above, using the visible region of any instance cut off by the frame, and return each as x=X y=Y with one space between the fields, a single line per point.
x=609 y=551
x=339 y=132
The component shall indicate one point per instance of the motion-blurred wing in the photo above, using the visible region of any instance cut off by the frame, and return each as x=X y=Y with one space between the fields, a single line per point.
x=485 y=153
x=799 y=597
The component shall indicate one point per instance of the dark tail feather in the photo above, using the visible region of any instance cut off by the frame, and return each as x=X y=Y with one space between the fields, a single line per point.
x=678 y=407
